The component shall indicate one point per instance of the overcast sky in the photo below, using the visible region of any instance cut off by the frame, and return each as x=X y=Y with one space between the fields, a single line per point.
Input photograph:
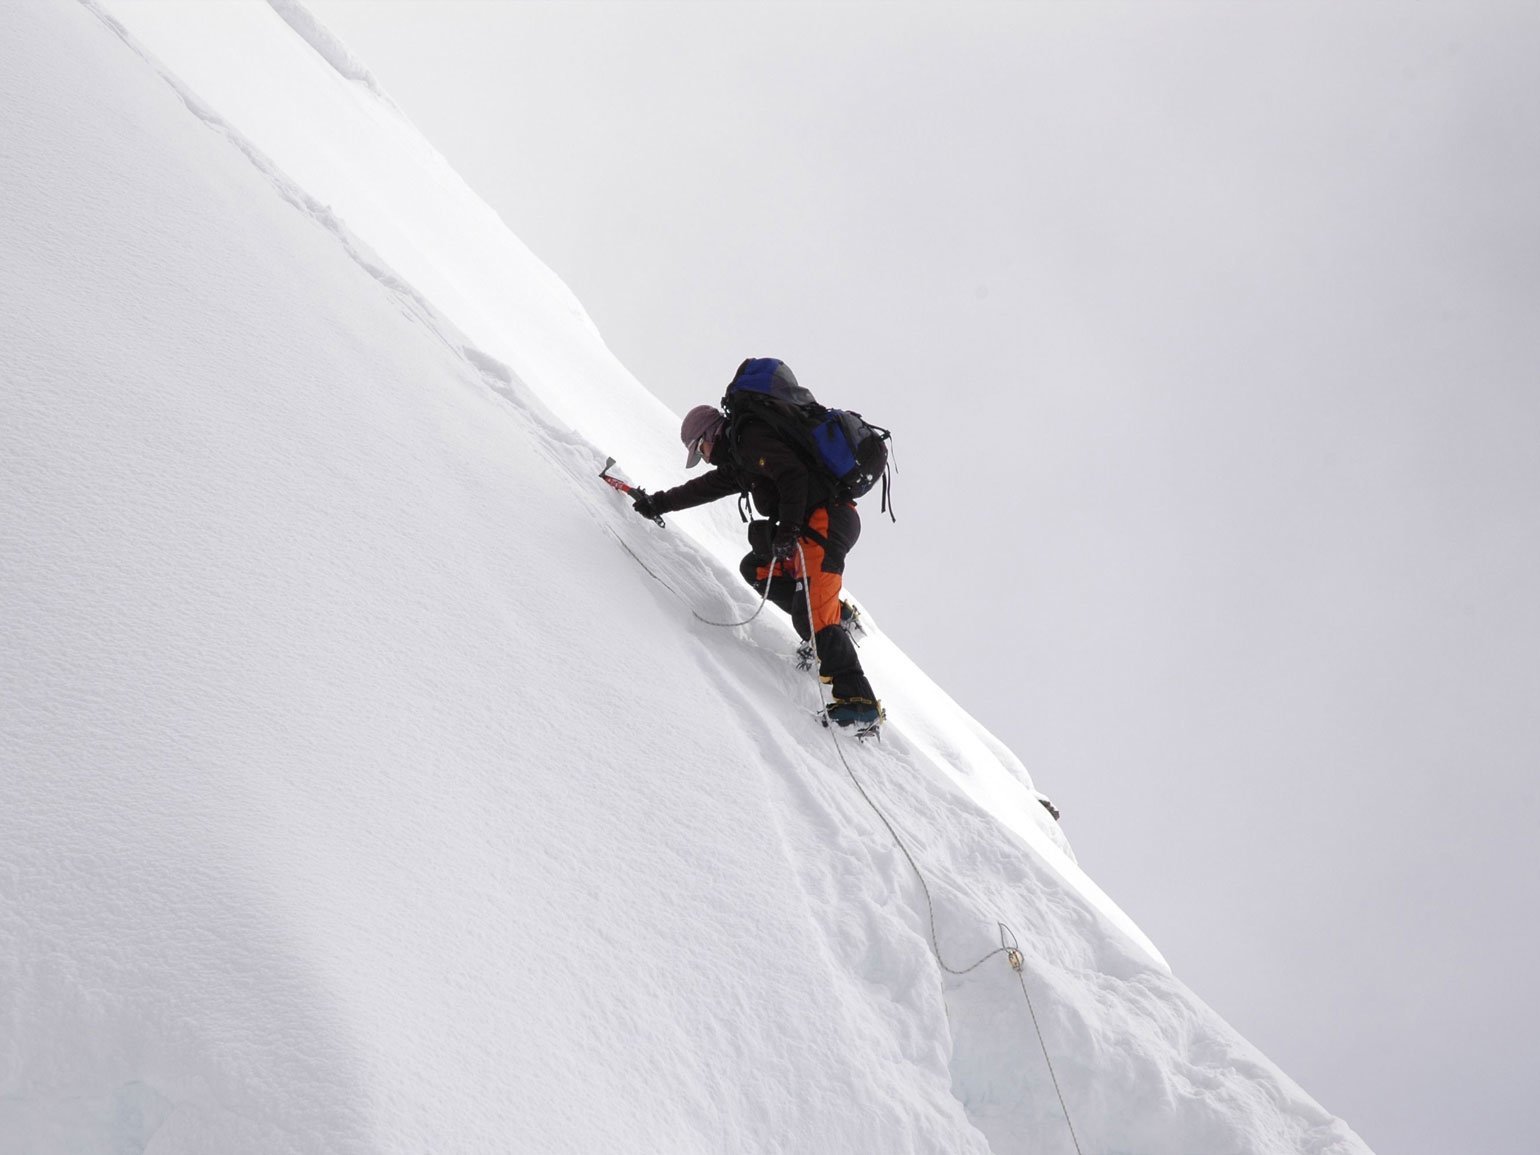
x=1209 y=336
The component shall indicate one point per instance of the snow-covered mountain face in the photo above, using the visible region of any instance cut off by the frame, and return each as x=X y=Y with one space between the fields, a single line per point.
x=369 y=785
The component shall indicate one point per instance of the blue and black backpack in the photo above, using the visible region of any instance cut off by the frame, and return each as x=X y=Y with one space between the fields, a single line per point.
x=839 y=442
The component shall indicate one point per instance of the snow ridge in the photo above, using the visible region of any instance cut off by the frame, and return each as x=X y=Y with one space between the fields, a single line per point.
x=298 y=17
x=331 y=49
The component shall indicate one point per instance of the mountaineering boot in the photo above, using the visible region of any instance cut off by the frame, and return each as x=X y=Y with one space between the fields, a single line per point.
x=866 y=714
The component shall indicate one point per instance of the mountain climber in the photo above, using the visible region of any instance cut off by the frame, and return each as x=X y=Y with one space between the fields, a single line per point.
x=800 y=505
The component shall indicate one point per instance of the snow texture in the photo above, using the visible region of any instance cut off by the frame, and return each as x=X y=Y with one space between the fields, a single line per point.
x=369 y=785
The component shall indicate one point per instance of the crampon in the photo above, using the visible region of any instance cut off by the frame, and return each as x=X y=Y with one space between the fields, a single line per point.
x=861 y=716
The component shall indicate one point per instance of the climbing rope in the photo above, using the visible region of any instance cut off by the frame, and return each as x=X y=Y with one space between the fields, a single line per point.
x=1007 y=948
x=1008 y=945
x=763 y=597
x=652 y=573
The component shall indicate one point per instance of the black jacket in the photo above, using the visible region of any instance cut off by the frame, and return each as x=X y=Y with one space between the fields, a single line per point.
x=751 y=458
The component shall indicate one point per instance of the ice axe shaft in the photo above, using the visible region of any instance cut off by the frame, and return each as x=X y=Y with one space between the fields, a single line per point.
x=616 y=483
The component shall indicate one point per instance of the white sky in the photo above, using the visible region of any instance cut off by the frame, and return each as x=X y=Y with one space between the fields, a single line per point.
x=1208 y=333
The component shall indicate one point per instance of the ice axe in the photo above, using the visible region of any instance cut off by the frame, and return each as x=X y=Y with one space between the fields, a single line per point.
x=616 y=483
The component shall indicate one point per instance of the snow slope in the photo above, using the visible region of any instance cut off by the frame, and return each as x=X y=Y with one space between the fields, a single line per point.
x=369 y=785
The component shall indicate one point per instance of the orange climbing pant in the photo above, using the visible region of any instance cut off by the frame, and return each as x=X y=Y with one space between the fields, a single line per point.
x=823 y=588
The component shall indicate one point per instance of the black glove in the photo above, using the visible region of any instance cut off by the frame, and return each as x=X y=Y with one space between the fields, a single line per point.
x=645 y=504
x=784 y=547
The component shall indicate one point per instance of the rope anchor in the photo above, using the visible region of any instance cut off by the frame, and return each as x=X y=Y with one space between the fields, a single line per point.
x=1009 y=946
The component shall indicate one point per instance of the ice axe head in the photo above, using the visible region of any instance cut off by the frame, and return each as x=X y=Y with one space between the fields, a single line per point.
x=616 y=483
x=609 y=463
